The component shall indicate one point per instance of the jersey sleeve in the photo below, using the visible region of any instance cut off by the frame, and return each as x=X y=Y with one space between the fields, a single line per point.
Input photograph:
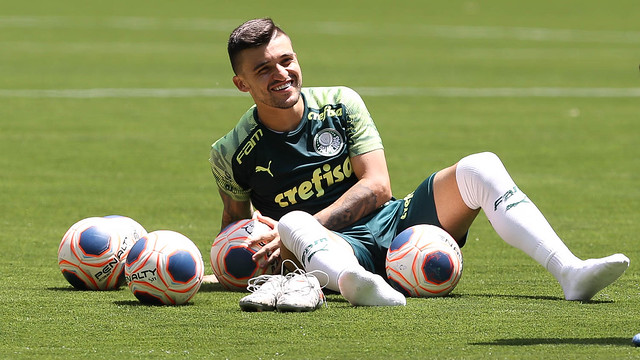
x=362 y=133
x=220 y=159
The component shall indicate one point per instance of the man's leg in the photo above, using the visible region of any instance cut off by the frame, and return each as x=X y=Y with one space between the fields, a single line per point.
x=319 y=249
x=481 y=181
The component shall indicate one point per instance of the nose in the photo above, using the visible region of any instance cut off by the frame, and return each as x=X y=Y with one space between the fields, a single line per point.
x=281 y=72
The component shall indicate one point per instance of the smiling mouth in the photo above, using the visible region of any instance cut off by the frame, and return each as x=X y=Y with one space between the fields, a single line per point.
x=284 y=86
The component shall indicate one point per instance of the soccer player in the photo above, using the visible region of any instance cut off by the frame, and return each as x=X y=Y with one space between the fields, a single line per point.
x=311 y=161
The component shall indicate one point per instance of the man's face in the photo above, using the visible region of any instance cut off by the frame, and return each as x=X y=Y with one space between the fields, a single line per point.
x=271 y=74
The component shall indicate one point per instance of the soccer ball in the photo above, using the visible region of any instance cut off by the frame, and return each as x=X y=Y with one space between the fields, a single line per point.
x=128 y=226
x=424 y=261
x=164 y=268
x=231 y=254
x=92 y=252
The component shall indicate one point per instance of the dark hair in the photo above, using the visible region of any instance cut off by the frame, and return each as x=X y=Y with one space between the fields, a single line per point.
x=252 y=34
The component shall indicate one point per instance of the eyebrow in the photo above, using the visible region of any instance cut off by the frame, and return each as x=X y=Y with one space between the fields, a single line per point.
x=260 y=65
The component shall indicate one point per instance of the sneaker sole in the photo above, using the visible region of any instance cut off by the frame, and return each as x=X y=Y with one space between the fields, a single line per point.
x=290 y=308
x=294 y=309
x=254 y=307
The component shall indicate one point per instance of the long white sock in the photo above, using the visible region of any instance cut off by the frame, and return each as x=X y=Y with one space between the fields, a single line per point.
x=485 y=183
x=310 y=242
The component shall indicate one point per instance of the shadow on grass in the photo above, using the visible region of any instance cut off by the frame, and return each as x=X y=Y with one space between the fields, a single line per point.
x=133 y=303
x=203 y=288
x=72 y=289
x=210 y=287
x=535 y=297
x=137 y=303
x=67 y=288
x=616 y=341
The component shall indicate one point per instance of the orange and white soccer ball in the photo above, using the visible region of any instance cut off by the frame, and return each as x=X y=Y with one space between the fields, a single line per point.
x=424 y=261
x=231 y=255
x=92 y=252
x=164 y=268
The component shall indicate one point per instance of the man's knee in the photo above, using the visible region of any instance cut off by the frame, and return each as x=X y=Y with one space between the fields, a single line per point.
x=480 y=163
x=292 y=221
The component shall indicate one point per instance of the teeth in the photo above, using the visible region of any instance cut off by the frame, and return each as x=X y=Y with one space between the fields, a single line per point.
x=282 y=87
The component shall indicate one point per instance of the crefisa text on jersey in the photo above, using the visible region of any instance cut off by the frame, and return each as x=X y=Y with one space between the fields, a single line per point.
x=314 y=186
x=326 y=112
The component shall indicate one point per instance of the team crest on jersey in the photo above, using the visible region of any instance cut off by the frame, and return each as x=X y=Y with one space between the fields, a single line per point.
x=328 y=142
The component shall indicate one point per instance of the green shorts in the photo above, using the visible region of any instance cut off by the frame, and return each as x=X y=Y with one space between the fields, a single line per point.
x=372 y=235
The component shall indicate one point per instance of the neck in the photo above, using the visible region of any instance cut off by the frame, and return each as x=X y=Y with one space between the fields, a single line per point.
x=282 y=120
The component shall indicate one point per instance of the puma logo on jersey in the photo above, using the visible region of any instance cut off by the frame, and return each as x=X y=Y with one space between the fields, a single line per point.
x=265 y=169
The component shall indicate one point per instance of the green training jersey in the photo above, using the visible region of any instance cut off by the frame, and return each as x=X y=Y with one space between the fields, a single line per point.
x=305 y=169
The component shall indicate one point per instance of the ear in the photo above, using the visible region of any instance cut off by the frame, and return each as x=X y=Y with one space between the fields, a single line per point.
x=240 y=84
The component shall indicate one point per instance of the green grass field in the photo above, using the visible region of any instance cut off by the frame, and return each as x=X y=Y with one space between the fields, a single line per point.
x=111 y=107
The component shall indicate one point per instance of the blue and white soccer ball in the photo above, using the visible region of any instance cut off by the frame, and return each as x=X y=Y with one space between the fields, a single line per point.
x=92 y=252
x=231 y=254
x=424 y=261
x=164 y=268
x=128 y=226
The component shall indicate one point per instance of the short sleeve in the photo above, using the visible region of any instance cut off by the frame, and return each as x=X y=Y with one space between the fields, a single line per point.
x=362 y=133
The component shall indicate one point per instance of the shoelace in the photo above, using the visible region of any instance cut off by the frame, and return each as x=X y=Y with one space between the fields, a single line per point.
x=300 y=272
x=255 y=283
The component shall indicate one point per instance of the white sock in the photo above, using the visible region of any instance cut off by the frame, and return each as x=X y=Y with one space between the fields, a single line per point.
x=485 y=183
x=583 y=281
x=310 y=242
x=362 y=288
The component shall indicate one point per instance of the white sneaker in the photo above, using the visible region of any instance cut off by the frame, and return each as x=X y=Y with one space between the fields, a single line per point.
x=297 y=291
x=265 y=290
x=301 y=291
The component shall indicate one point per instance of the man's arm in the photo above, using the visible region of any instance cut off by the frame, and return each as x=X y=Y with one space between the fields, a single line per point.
x=233 y=210
x=372 y=190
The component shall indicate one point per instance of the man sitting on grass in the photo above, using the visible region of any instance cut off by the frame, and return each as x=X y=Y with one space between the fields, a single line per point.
x=311 y=161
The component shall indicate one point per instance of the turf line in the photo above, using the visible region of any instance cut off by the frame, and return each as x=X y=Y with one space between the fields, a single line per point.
x=547 y=92
x=334 y=28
